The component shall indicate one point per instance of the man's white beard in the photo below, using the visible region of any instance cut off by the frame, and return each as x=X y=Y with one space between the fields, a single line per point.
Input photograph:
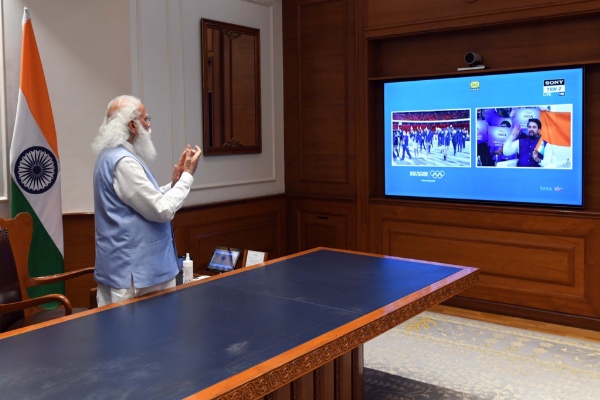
x=143 y=145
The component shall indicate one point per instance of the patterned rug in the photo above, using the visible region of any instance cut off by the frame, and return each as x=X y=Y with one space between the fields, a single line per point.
x=435 y=356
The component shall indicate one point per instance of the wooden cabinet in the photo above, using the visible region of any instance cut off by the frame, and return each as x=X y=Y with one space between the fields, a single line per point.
x=255 y=224
x=314 y=223
x=527 y=258
x=319 y=78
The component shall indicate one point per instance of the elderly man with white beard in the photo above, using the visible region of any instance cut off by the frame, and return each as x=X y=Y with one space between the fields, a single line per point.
x=135 y=249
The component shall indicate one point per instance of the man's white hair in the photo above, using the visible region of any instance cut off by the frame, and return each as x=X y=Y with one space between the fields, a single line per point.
x=114 y=130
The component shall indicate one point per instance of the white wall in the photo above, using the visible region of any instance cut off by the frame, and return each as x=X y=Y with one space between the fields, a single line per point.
x=85 y=51
x=94 y=50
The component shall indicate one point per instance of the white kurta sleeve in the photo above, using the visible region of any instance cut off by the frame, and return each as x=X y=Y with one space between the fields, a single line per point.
x=510 y=147
x=135 y=189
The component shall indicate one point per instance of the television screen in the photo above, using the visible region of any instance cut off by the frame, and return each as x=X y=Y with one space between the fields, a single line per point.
x=223 y=259
x=499 y=137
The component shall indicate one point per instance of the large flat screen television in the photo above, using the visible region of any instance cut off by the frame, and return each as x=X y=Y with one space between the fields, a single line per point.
x=513 y=137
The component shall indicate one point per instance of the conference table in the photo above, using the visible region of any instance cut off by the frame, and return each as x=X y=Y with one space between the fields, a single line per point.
x=291 y=328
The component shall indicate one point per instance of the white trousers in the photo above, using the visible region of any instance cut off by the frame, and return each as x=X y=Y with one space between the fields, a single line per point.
x=107 y=295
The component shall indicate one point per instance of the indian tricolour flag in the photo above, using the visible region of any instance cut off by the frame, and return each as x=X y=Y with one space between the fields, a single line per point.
x=35 y=166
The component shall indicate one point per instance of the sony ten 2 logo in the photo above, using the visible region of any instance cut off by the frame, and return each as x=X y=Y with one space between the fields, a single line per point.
x=552 y=86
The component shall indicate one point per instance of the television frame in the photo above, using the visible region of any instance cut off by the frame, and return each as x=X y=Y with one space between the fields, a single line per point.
x=577 y=132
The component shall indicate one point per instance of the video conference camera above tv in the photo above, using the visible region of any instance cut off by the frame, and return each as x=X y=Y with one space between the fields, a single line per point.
x=473 y=60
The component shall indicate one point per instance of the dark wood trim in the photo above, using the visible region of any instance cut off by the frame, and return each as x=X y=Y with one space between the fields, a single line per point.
x=524 y=312
x=454 y=15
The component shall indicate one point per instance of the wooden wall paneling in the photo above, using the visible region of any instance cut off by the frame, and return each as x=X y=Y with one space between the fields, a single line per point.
x=591 y=140
x=527 y=313
x=366 y=151
x=544 y=264
x=322 y=230
x=314 y=223
x=257 y=224
x=375 y=141
x=555 y=270
x=386 y=18
x=80 y=252
x=319 y=65
x=253 y=232
x=502 y=47
x=526 y=258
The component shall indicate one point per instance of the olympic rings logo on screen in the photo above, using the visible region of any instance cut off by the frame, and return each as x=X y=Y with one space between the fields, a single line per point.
x=437 y=174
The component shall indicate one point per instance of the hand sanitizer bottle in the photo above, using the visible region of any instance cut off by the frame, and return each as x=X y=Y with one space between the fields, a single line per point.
x=188 y=269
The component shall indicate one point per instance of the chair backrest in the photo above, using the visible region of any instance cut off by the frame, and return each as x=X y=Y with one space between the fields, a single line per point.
x=10 y=289
x=20 y=231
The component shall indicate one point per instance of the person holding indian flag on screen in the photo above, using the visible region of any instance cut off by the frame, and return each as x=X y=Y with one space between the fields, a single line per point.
x=548 y=148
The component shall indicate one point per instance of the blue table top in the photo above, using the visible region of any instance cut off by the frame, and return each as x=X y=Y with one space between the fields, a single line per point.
x=178 y=343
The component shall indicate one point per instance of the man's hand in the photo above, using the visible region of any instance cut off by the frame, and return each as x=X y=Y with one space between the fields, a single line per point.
x=176 y=175
x=187 y=162
x=192 y=156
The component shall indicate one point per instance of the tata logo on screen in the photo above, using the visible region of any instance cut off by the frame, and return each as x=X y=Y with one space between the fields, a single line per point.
x=552 y=86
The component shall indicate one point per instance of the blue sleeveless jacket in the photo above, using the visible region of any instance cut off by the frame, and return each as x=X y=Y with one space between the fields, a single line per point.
x=127 y=245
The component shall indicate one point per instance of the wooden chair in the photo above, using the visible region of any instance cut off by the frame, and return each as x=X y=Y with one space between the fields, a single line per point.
x=17 y=309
